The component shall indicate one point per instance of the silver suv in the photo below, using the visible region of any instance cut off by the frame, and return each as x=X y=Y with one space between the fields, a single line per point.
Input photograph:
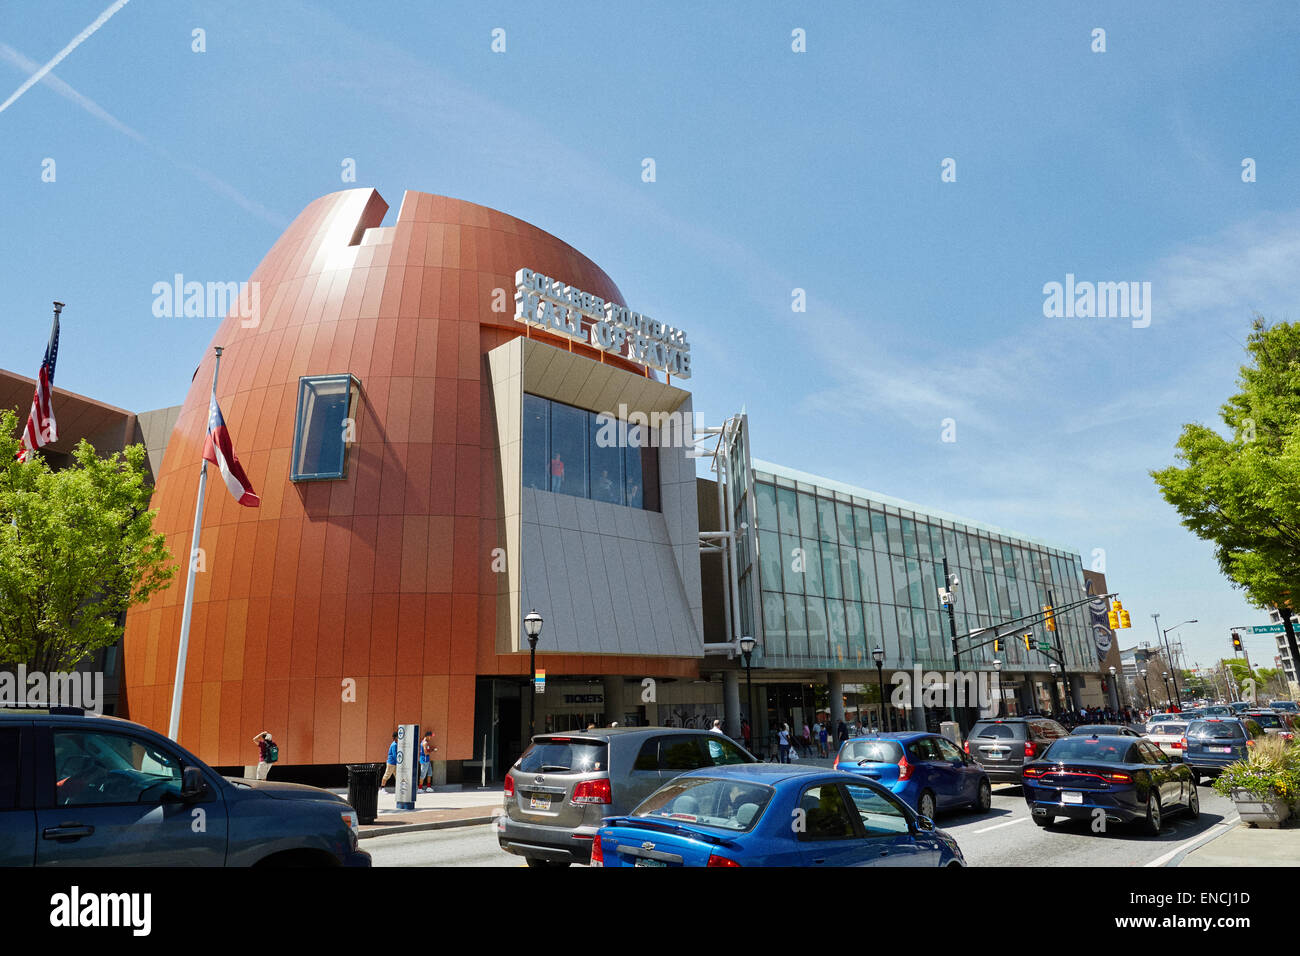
x=563 y=785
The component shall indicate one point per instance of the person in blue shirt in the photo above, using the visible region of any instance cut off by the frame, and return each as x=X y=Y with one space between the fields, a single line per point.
x=390 y=770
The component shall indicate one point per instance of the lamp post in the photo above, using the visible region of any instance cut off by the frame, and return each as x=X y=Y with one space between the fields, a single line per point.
x=747 y=648
x=533 y=628
x=1169 y=655
x=997 y=669
x=1054 y=667
x=1164 y=675
x=878 y=655
x=1143 y=674
x=1118 y=702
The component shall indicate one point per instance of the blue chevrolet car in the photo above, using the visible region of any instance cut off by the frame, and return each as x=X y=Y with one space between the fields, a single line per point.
x=772 y=815
x=926 y=771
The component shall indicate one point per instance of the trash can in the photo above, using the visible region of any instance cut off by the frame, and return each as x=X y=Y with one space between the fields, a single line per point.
x=363 y=790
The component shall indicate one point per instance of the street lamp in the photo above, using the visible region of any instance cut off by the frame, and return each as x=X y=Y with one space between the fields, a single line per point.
x=533 y=628
x=997 y=669
x=1116 y=688
x=1169 y=654
x=1164 y=675
x=1143 y=674
x=1054 y=667
x=747 y=648
x=878 y=655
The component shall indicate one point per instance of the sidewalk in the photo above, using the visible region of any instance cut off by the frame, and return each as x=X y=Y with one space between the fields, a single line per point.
x=1244 y=846
x=433 y=811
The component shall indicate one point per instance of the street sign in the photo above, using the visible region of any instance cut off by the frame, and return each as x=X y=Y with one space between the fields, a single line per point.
x=539 y=681
x=1268 y=629
x=1044 y=646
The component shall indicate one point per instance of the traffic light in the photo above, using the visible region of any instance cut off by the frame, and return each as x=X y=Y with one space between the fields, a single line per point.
x=1113 y=620
x=1029 y=641
x=1050 y=621
x=997 y=645
x=1124 y=619
x=1236 y=642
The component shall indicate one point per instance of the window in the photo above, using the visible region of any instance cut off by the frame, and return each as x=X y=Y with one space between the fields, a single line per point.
x=723 y=751
x=8 y=759
x=825 y=815
x=923 y=749
x=948 y=750
x=324 y=426
x=680 y=754
x=725 y=804
x=880 y=815
x=99 y=768
x=572 y=451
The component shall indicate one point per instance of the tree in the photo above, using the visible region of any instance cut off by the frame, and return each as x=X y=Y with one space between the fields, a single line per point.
x=77 y=549
x=1242 y=493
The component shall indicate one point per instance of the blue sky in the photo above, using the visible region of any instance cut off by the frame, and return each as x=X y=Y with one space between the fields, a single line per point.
x=775 y=170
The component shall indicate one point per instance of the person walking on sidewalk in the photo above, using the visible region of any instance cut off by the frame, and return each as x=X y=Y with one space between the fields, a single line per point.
x=390 y=769
x=267 y=753
x=426 y=762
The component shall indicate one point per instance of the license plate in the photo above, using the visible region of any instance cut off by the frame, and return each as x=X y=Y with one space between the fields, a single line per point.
x=643 y=861
x=540 y=801
x=997 y=754
x=1219 y=750
x=1072 y=798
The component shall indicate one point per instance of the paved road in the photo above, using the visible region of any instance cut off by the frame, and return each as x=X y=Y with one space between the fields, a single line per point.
x=1005 y=836
x=459 y=846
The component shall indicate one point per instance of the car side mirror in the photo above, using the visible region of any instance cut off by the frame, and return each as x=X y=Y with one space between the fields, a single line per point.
x=924 y=824
x=193 y=785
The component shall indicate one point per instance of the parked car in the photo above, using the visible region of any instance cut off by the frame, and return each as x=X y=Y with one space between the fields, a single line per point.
x=1213 y=743
x=91 y=790
x=1127 y=780
x=563 y=785
x=1092 y=730
x=773 y=815
x=1169 y=738
x=1001 y=746
x=927 y=771
x=1273 y=722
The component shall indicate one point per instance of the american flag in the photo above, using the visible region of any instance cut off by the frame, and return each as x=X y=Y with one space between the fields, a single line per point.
x=41 y=429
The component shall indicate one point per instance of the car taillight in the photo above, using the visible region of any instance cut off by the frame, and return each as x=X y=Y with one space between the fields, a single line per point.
x=597 y=855
x=904 y=769
x=1179 y=744
x=510 y=785
x=836 y=764
x=593 y=791
x=715 y=860
x=966 y=746
x=1031 y=749
x=1033 y=771
x=1118 y=777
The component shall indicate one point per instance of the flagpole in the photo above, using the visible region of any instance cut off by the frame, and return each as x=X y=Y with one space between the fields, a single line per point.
x=178 y=691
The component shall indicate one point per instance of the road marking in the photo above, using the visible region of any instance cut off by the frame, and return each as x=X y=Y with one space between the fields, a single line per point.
x=999 y=826
x=1205 y=837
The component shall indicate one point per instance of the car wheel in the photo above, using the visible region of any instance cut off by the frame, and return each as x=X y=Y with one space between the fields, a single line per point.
x=985 y=798
x=926 y=805
x=544 y=864
x=1194 y=805
x=1152 y=822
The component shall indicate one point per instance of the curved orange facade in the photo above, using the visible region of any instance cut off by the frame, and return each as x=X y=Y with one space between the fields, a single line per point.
x=340 y=608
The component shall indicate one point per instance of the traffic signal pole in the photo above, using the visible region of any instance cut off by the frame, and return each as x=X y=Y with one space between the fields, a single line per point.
x=952 y=628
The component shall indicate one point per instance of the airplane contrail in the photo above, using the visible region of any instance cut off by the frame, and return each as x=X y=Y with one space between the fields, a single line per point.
x=79 y=39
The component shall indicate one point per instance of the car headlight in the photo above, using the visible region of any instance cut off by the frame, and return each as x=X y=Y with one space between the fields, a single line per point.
x=353 y=822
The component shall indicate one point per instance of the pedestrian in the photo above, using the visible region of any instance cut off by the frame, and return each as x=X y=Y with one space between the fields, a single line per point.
x=823 y=739
x=817 y=730
x=783 y=743
x=747 y=734
x=390 y=769
x=841 y=732
x=267 y=754
x=717 y=727
x=426 y=762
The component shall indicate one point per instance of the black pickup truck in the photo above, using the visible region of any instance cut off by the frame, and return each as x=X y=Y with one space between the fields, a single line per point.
x=78 y=789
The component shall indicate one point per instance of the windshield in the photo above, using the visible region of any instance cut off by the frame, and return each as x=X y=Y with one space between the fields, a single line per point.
x=704 y=801
x=562 y=755
x=871 y=751
x=1170 y=728
x=1089 y=748
x=1267 y=720
x=1216 y=730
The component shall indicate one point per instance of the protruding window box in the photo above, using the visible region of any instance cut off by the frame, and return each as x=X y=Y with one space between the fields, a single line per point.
x=324 y=426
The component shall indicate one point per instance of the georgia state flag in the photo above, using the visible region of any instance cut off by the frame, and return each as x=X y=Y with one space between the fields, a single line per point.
x=218 y=450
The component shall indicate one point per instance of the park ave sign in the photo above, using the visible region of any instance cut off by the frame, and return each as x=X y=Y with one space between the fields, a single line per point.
x=549 y=304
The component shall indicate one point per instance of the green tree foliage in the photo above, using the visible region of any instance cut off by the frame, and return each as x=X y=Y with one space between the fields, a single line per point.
x=77 y=549
x=1242 y=493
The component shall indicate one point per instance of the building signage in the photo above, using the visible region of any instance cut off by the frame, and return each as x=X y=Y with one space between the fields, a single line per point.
x=584 y=698
x=560 y=309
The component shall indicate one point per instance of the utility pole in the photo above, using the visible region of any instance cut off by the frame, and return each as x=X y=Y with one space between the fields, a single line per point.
x=952 y=629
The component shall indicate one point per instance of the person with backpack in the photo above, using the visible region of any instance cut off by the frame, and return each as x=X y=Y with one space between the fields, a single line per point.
x=268 y=752
x=426 y=762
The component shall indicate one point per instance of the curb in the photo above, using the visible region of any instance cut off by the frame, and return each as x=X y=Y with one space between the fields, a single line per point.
x=1178 y=858
x=431 y=825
